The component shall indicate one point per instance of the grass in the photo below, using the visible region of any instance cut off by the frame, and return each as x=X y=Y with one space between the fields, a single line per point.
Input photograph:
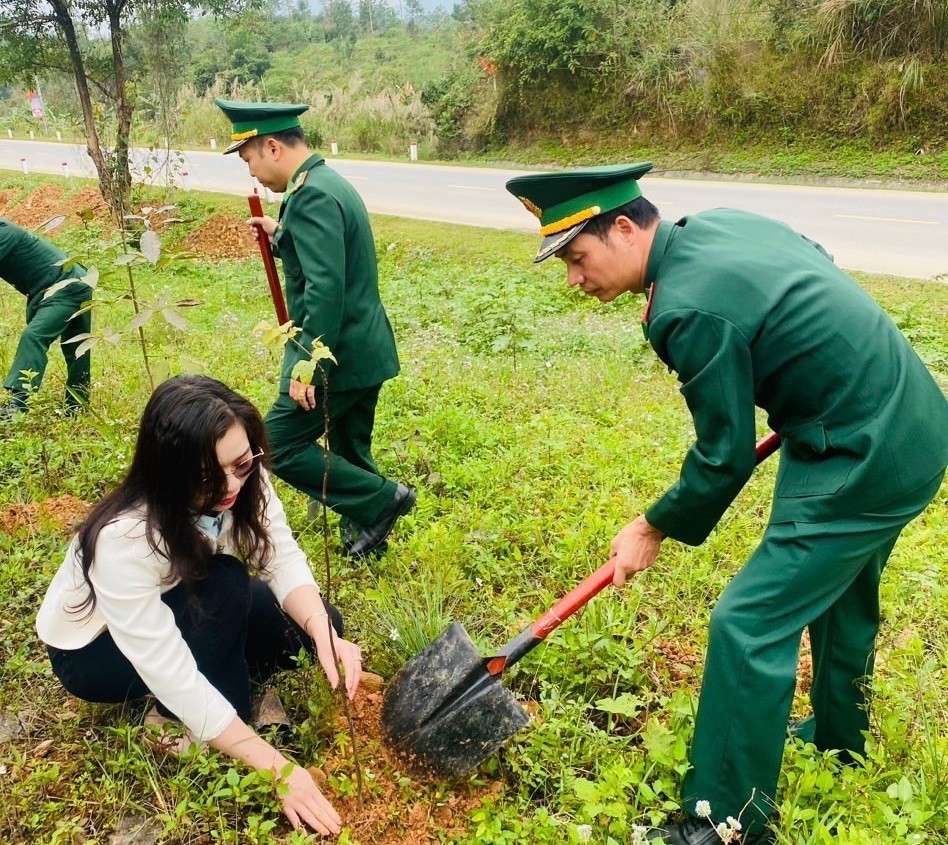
x=535 y=423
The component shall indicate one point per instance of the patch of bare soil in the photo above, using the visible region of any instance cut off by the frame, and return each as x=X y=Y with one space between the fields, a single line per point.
x=222 y=236
x=396 y=806
x=60 y=513
x=37 y=207
x=678 y=658
x=85 y=199
x=5 y=198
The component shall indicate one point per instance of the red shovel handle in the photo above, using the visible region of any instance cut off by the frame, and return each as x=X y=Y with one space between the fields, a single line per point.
x=602 y=577
x=766 y=446
x=273 y=278
x=537 y=631
x=574 y=600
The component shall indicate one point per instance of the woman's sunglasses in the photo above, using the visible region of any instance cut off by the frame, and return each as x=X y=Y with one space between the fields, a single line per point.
x=245 y=467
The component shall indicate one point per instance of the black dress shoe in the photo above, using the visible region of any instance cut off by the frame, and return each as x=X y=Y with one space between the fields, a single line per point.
x=372 y=538
x=701 y=832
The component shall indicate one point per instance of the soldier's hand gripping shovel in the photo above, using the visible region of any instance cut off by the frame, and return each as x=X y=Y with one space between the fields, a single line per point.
x=446 y=710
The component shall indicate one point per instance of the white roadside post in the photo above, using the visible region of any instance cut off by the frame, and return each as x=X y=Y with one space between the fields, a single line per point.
x=213 y=143
x=334 y=148
x=66 y=169
x=24 y=166
x=413 y=151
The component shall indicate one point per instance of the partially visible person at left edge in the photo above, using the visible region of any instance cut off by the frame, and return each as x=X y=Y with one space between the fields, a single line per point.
x=33 y=265
x=324 y=239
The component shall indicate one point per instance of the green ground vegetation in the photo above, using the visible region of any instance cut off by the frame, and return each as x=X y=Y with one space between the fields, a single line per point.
x=534 y=423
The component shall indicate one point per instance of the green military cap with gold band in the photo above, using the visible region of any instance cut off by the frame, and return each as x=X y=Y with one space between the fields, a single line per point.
x=252 y=119
x=566 y=201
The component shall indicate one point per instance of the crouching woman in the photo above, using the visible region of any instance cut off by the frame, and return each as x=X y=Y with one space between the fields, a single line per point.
x=185 y=583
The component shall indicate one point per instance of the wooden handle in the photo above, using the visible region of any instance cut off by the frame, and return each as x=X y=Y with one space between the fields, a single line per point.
x=273 y=278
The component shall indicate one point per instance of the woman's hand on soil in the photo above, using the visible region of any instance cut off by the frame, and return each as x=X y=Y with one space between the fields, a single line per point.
x=304 y=804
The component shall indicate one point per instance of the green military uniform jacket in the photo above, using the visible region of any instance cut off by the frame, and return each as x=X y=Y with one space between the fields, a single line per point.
x=325 y=242
x=747 y=312
x=31 y=264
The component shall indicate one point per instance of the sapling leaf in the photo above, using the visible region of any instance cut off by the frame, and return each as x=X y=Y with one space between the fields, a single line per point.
x=173 y=318
x=321 y=352
x=150 y=245
x=303 y=371
x=86 y=345
x=52 y=290
x=140 y=319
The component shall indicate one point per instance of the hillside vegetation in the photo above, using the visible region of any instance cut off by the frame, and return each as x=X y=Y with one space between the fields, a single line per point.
x=851 y=88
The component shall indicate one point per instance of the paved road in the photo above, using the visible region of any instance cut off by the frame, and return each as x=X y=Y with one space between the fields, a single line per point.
x=904 y=233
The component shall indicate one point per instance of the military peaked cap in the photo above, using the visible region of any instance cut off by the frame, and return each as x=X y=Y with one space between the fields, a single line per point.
x=252 y=119
x=566 y=201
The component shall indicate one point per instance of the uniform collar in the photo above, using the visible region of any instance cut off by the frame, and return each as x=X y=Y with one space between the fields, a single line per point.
x=299 y=178
x=659 y=244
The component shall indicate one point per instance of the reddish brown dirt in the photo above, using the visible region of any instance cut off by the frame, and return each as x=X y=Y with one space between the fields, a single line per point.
x=85 y=199
x=396 y=807
x=61 y=513
x=222 y=236
x=805 y=668
x=678 y=660
x=37 y=207
x=5 y=198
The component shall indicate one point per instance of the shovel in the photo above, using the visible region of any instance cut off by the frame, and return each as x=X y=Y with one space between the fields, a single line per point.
x=446 y=710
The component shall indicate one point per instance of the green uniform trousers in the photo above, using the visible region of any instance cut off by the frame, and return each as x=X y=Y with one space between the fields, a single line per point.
x=355 y=489
x=824 y=576
x=47 y=320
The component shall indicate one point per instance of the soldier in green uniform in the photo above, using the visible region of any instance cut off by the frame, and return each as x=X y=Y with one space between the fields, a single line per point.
x=324 y=239
x=33 y=266
x=749 y=313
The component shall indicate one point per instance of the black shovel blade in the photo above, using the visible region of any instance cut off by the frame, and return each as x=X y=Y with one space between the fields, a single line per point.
x=444 y=712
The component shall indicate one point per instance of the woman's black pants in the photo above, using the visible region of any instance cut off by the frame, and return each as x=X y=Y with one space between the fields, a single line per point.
x=233 y=625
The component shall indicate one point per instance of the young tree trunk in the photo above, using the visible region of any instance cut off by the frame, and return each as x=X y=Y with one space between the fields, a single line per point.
x=121 y=176
x=112 y=169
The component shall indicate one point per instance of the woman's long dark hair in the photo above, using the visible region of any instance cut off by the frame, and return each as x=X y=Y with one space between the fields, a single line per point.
x=175 y=469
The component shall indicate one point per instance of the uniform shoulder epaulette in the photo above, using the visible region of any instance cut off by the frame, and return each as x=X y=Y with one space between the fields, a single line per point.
x=297 y=183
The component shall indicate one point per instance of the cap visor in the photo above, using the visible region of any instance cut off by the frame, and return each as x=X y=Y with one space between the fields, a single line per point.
x=554 y=243
x=236 y=146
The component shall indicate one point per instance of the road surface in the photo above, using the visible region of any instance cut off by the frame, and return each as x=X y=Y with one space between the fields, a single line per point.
x=903 y=233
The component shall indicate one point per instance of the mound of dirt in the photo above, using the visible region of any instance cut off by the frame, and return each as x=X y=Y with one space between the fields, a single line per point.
x=222 y=236
x=90 y=199
x=37 y=207
x=60 y=513
x=396 y=807
x=5 y=198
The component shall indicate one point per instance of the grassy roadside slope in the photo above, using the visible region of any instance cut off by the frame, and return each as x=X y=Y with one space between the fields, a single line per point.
x=534 y=423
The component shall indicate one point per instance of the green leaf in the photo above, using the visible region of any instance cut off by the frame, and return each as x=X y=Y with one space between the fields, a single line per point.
x=303 y=371
x=321 y=352
x=627 y=705
x=586 y=791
